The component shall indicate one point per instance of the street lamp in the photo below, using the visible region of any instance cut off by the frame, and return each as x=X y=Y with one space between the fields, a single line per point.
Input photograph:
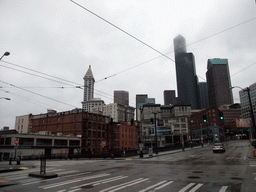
x=247 y=89
x=5 y=98
x=156 y=129
x=5 y=54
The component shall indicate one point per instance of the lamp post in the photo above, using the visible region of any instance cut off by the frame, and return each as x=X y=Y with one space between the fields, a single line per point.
x=247 y=89
x=156 y=130
x=5 y=54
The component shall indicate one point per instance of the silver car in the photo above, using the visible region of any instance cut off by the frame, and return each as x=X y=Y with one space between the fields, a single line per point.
x=218 y=147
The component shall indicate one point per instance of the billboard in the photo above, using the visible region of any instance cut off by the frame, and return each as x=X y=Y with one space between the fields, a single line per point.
x=243 y=122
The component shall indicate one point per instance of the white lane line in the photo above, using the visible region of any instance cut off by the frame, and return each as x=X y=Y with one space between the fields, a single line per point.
x=121 y=185
x=40 y=181
x=72 y=181
x=129 y=185
x=223 y=189
x=254 y=173
x=150 y=187
x=196 y=187
x=164 y=185
x=95 y=183
x=252 y=165
x=187 y=187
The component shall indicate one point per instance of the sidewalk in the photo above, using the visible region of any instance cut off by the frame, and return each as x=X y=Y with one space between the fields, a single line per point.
x=166 y=152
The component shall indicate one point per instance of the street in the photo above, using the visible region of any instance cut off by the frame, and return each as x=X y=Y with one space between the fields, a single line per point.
x=197 y=169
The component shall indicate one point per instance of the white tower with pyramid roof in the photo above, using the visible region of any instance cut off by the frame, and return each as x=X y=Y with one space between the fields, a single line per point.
x=90 y=103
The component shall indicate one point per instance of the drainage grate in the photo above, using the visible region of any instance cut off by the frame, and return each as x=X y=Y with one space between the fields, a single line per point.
x=193 y=177
x=236 y=178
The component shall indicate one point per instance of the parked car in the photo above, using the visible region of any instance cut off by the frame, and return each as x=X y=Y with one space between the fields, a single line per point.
x=218 y=147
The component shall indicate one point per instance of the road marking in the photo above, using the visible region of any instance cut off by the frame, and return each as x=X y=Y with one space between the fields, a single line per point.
x=187 y=187
x=140 y=179
x=196 y=187
x=129 y=185
x=95 y=183
x=72 y=181
x=40 y=181
x=150 y=187
x=252 y=165
x=164 y=185
x=223 y=189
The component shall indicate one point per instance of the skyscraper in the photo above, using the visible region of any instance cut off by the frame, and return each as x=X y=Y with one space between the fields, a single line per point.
x=187 y=82
x=218 y=82
x=169 y=97
x=88 y=86
x=140 y=100
x=121 y=97
x=203 y=95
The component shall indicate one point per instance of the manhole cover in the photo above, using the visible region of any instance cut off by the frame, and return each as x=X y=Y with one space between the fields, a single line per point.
x=236 y=178
x=197 y=172
x=193 y=177
x=87 y=186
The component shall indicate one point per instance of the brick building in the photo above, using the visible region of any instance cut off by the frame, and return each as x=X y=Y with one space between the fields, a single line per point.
x=196 y=122
x=97 y=132
x=125 y=137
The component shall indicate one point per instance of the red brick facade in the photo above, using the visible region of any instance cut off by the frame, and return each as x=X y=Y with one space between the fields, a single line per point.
x=95 y=130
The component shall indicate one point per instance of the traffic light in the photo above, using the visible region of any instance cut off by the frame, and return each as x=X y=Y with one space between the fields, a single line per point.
x=221 y=116
x=151 y=121
x=204 y=119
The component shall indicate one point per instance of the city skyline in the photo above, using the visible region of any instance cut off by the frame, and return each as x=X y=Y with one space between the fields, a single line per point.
x=62 y=40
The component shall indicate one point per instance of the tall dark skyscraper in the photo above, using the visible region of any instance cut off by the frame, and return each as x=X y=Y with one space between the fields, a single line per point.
x=203 y=95
x=121 y=97
x=187 y=82
x=169 y=97
x=140 y=100
x=218 y=82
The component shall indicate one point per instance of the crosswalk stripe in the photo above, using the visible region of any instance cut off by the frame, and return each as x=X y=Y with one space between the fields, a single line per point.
x=101 y=181
x=117 y=189
x=150 y=187
x=187 y=187
x=196 y=187
x=72 y=181
x=164 y=185
x=120 y=185
x=223 y=189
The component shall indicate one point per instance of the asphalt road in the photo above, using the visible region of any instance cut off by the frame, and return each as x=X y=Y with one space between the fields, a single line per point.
x=192 y=170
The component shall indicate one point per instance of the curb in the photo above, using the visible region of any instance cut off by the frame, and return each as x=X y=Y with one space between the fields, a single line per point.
x=4 y=183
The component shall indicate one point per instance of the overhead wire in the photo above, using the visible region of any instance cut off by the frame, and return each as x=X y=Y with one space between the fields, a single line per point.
x=38 y=94
x=28 y=100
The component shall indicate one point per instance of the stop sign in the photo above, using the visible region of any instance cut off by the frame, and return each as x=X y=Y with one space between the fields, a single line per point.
x=16 y=142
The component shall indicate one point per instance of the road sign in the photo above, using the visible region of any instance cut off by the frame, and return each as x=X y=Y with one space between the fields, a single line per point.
x=16 y=142
x=103 y=143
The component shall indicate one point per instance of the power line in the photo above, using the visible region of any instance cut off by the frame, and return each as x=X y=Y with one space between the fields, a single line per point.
x=24 y=98
x=243 y=69
x=76 y=84
x=37 y=94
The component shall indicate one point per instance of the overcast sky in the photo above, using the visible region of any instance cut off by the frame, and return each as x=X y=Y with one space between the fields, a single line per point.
x=61 y=39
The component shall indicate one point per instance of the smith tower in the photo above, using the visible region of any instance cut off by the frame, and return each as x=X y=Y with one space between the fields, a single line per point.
x=88 y=86
x=187 y=82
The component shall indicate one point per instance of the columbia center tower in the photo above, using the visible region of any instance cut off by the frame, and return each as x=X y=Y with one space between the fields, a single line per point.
x=187 y=82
